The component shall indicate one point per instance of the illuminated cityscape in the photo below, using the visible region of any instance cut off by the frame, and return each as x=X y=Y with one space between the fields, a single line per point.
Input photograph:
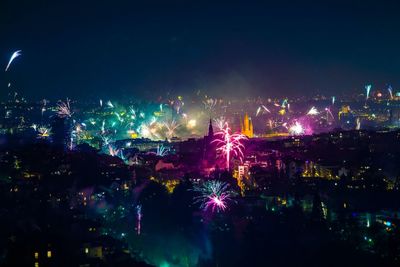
x=237 y=134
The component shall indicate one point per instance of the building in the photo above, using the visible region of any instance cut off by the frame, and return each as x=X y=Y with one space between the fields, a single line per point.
x=246 y=126
x=209 y=153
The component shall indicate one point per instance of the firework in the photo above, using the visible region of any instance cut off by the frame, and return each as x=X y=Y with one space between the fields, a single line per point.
x=329 y=113
x=358 y=124
x=210 y=103
x=390 y=89
x=220 y=122
x=64 y=109
x=177 y=104
x=162 y=151
x=102 y=128
x=113 y=151
x=229 y=144
x=43 y=132
x=191 y=123
x=333 y=100
x=313 y=111
x=261 y=109
x=106 y=140
x=13 y=56
x=139 y=216
x=150 y=129
x=132 y=113
x=296 y=129
x=171 y=127
x=109 y=104
x=213 y=195
x=368 y=90
x=284 y=103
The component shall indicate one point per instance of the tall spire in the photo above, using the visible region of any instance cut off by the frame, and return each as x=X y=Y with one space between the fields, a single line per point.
x=210 y=129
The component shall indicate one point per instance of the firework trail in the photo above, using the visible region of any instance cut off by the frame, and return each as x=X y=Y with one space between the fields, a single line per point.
x=390 y=89
x=368 y=90
x=13 y=56
x=139 y=216
x=333 y=100
x=329 y=113
x=229 y=144
x=213 y=195
x=261 y=109
x=102 y=128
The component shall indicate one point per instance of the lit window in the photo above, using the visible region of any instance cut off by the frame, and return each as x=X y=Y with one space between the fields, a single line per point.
x=86 y=250
x=49 y=254
x=36 y=264
x=36 y=255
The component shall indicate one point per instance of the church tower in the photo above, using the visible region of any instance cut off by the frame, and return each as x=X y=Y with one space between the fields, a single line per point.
x=246 y=126
x=210 y=130
x=209 y=152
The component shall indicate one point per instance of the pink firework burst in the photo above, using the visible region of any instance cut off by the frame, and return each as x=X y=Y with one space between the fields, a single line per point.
x=230 y=145
x=214 y=195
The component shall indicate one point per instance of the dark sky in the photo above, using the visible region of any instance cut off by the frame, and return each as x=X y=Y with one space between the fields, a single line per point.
x=121 y=49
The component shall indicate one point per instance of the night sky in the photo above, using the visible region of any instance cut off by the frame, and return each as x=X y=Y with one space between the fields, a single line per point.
x=85 y=49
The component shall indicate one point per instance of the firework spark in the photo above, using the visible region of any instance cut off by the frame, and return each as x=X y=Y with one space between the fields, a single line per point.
x=229 y=144
x=139 y=216
x=213 y=195
x=13 y=56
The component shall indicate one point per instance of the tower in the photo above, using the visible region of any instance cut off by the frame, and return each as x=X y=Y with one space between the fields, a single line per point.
x=210 y=129
x=246 y=126
x=209 y=148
